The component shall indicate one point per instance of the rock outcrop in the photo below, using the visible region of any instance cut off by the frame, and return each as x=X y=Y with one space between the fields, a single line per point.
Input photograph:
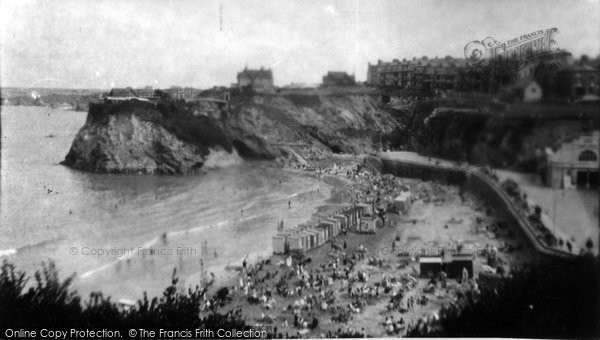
x=174 y=137
x=142 y=138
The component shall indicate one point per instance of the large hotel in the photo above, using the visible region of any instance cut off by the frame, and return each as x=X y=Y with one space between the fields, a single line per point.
x=422 y=74
x=557 y=76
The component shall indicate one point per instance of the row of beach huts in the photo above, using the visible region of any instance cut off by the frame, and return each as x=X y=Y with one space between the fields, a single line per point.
x=325 y=226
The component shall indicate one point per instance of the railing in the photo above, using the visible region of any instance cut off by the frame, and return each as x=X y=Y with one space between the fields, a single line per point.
x=523 y=222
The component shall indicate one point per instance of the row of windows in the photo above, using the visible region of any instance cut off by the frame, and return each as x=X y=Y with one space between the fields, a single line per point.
x=588 y=156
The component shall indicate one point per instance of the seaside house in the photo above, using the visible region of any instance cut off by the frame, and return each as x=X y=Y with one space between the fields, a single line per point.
x=259 y=80
x=338 y=79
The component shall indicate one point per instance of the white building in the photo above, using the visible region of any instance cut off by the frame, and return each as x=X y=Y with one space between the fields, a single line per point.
x=574 y=163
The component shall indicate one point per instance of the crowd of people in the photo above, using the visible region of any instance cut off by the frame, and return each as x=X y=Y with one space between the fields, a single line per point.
x=300 y=295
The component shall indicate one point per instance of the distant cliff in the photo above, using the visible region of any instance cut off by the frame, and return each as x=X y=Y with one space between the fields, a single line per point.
x=174 y=137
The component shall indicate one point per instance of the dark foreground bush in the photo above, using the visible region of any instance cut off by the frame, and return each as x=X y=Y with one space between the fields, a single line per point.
x=49 y=303
x=558 y=299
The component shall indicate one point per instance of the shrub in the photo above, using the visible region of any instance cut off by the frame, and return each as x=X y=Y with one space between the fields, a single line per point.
x=558 y=299
x=49 y=303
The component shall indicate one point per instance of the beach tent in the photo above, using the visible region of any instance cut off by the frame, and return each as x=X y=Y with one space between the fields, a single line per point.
x=460 y=262
x=430 y=266
x=402 y=202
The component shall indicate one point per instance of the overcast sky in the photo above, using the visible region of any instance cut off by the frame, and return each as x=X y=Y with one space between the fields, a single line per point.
x=108 y=43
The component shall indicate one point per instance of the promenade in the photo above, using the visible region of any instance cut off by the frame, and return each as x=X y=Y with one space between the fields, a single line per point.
x=411 y=158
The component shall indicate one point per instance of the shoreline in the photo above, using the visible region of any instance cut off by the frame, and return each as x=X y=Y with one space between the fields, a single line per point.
x=370 y=319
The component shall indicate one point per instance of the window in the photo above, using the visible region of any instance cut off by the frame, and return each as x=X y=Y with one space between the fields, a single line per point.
x=587 y=156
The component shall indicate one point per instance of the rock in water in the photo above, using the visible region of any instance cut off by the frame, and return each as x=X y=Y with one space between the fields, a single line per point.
x=145 y=138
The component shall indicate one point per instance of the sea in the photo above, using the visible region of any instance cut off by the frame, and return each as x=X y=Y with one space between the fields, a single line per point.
x=124 y=235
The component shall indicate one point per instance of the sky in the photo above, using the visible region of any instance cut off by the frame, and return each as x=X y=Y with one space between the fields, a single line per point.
x=109 y=43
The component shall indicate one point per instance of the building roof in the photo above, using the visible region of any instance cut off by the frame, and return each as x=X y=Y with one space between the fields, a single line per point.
x=339 y=77
x=520 y=85
x=256 y=74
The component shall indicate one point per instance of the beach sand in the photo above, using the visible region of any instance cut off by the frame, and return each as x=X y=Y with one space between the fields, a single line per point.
x=423 y=229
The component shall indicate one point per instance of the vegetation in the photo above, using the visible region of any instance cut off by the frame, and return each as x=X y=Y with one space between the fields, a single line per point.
x=558 y=299
x=50 y=303
x=174 y=115
x=501 y=138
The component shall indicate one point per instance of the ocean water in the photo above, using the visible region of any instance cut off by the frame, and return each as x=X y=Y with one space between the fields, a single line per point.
x=125 y=234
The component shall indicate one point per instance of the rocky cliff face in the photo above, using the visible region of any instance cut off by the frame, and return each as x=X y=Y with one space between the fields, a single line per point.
x=504 y=139
x=143 y=138
x=175 y=137
x=307 y=126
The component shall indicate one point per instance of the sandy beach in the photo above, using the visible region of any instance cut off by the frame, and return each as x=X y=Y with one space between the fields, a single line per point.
x=273 y=293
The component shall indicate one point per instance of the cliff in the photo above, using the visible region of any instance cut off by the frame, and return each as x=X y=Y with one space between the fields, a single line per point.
x=511 y=138
x=146 y=138
x=175 y=137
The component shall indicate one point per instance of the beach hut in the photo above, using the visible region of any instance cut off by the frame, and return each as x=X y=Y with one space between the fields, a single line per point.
x=334 y=223
x=308 y=240
x=352 y=217
x=368 y=224
x=295 y=242
x=392 y=218
x=315 y=240
x=322 y=234
x=402 y=202
x=325 y=230
x=355 y=214
x=343 y=221
x=279 y=243
x=363 y=210
x=430 y=266
x=332 y=229
x=458 y=263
